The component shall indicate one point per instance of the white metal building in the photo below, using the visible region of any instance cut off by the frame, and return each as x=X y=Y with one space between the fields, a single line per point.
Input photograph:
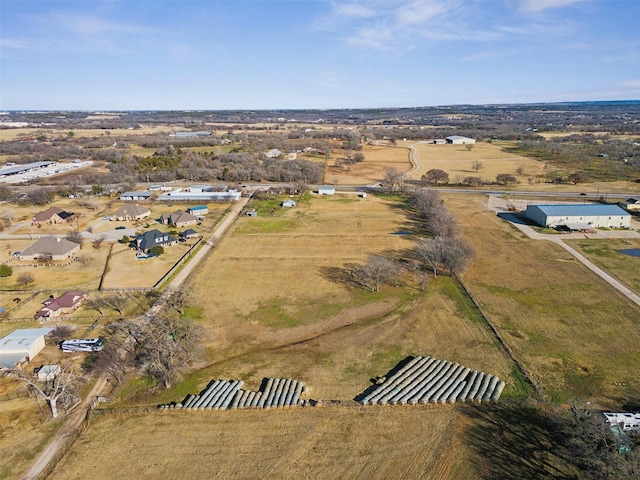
x=326 y=191
x=579 y=216
x=21 y=346
x=460 y=140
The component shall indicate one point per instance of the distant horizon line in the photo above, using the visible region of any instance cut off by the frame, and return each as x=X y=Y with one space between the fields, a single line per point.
x=453 y=105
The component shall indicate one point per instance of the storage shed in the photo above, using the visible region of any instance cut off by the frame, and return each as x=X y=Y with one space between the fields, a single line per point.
x=460 y=140
x=587 y=215
x=21 y=345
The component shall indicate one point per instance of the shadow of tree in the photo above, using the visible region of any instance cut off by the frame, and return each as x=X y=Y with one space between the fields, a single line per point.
x=517 y=442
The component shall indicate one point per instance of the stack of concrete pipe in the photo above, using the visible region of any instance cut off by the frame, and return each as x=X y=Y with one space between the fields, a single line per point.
x=228 y=395
x=429 y=380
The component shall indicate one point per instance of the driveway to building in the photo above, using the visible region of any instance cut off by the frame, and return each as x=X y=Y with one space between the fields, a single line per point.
x=494 y=204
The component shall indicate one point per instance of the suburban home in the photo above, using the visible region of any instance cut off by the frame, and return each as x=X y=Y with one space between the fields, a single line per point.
x=54 y=248
x=460 y=140
x=152 y=238
x=288 y=204
x=199 y=210
x=51 y=215
x=128 y=196
x=21 y=346
x=179 y=219
x=326 y=191
x=579 y=216
x=189 y=233
x=57 y=307
x=131 y=212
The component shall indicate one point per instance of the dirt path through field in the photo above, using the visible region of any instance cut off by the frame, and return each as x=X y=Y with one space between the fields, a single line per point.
x=72 y=424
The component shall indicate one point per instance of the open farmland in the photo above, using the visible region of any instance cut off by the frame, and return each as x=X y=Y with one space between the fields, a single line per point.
x=377 y=160
x=456 y=160
x=573 y=332
x=376 y=443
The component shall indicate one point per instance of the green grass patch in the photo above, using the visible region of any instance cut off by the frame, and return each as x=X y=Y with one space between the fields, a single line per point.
x=464 y=305
x=518 y=387
x=193 y=313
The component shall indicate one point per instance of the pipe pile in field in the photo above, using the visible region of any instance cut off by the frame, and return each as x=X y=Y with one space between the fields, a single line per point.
x=229 y=395
x=429 y=380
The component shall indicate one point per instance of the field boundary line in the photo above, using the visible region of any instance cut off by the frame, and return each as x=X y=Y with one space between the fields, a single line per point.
x=496 y=333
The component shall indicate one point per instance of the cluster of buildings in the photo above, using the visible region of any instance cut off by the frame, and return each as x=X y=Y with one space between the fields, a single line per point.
x=196 y=192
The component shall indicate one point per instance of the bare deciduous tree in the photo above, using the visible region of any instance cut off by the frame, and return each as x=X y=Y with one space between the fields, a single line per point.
x=393 y=180
x=477 y=165
x=25 y=279
x=60 y=391
x=117 y=302
x=376 y=271
x=95 y=302
x=97 y=243
x=166 y=345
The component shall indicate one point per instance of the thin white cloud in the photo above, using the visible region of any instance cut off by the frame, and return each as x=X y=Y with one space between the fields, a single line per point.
x=353 y=10
x=540 y=5
x=631 y=83
x=92 y=25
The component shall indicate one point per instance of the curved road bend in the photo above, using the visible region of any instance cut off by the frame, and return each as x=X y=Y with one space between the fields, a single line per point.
x=77 y=416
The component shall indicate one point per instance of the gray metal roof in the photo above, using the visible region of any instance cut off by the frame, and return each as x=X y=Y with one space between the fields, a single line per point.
x=24 y=167
x=580 y=210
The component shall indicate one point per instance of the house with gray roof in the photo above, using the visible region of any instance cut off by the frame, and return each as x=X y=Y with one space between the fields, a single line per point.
x=179 y=219
x=55 y=248
x=131 y=212
x=579 y=216
x=152 y=238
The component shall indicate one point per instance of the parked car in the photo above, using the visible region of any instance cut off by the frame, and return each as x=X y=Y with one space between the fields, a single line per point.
x=15 y=254
x=120 y=227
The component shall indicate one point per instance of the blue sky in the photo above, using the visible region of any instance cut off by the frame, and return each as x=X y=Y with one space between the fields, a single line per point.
x=235 y=54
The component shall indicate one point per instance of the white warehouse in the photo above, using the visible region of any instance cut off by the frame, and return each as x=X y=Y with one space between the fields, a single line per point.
x=460 y=140
x=579 y=216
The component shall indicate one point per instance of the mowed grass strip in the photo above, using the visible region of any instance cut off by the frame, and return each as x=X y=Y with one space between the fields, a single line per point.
x=376 y=443
x=576 y=334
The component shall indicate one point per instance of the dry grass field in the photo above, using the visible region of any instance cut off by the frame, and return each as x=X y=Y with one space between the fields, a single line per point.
x=575 y=333
x=376 y=443
x=456 y=160
x=377 y=160
x=606 y=254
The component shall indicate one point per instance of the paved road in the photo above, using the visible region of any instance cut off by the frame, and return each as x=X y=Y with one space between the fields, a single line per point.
x=559 y=240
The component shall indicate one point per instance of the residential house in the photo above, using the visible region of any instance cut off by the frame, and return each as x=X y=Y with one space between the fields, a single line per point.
x=51 y=215
x=131 y=212
x=152 y=238
x=631 y=204
x=179 y=219
x=62 y=305
x=50 y=248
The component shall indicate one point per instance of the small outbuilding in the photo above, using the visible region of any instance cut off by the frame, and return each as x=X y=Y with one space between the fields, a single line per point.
x=288 y=203
x=135 y=196
x=326 y=190
x=47 y=373
x=198 y=210
x=189 y=233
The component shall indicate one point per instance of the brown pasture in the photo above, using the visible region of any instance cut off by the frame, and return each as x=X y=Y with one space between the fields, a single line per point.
x=377 y=160
x=574 y=333
x=376 y=443
x=456 y=160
